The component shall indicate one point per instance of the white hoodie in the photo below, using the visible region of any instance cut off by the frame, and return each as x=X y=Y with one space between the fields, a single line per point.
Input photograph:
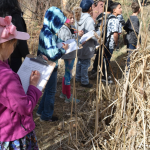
x=86 y=24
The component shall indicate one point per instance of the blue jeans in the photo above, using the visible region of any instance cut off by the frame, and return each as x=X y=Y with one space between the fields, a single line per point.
x=46 y=107
x=130 y=46
x=82 y=70
x=68 y=70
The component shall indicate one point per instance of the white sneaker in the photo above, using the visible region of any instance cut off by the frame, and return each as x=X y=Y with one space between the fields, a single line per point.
x=63 y=96
x=109 y=77
x=69 y=100
x=38 y=115
x=109 y=81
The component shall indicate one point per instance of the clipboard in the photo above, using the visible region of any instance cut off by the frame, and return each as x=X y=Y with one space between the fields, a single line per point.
x=32 y=63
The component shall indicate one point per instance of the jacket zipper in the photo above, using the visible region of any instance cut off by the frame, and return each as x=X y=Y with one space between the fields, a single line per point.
x=24 y=127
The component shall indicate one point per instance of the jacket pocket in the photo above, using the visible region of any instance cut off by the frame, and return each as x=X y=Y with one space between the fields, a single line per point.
x=7 y=123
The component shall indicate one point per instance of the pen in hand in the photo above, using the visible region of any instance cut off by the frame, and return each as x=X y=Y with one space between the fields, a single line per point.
x=34 y=78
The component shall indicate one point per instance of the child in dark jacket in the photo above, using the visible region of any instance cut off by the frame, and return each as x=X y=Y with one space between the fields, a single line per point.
x=132 y=29
x=53 y=21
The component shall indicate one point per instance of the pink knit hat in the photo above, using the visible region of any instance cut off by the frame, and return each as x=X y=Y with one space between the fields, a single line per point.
x=8 y=31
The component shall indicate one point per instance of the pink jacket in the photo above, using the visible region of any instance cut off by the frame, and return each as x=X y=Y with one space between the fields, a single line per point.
x=16 y=107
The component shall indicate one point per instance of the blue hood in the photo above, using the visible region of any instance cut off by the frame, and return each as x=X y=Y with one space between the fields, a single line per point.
x=54 y=19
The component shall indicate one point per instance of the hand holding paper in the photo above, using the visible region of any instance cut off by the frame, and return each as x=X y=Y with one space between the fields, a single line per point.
x=87 y=36
x=81 y=33
x=72 y=45
x=83 y=43
x=65 y=46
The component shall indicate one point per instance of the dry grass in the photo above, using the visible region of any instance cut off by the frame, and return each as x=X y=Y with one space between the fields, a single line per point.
x=129 y=128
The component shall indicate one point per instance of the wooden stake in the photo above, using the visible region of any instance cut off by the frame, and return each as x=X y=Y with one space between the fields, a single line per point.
x=97 y=88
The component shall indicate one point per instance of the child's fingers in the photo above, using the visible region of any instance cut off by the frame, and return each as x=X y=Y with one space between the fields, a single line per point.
x=37 y=73
x=82 y=31
x=32 y=73
x=65 y=46
x=83 y=43
x=45 y=57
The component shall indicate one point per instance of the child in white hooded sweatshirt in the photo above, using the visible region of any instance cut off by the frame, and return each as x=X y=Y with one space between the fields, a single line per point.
x=86 y=23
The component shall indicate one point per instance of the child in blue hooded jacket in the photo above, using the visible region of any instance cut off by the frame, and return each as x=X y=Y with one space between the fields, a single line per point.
x=53 y=21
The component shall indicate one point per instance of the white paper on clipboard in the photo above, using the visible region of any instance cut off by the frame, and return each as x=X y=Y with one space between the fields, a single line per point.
x=72 y=45
x=26 y=69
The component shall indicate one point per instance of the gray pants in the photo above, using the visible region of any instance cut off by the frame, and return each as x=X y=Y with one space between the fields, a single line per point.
x=82 y=71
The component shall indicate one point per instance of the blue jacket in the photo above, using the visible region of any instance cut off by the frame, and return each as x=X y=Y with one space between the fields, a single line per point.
x=53 y=21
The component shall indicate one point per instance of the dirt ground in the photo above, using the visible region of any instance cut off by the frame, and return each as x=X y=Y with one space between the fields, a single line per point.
x=48 y=135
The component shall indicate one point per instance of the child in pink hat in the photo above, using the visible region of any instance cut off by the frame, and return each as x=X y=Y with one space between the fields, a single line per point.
x=13 y=8
x=16 y=107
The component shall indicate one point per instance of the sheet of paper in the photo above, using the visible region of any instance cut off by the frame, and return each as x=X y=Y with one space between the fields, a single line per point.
x=71 y=43
x=25 y=71
x=87 y=36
